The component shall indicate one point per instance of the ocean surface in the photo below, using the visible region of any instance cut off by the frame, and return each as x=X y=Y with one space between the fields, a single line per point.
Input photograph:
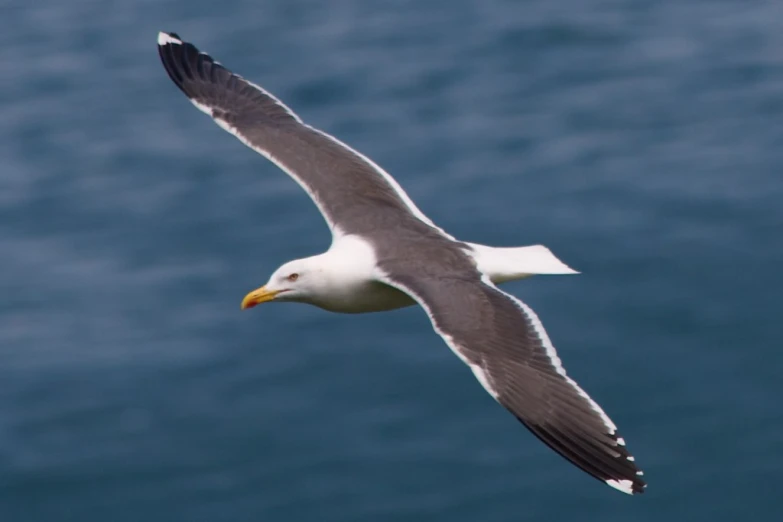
x=642 y=141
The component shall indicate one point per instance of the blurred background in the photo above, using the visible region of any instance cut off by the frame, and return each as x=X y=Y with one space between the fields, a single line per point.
x=640 y=140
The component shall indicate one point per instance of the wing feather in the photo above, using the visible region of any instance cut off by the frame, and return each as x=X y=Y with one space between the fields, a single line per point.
x=502 y=340
x=345 y=185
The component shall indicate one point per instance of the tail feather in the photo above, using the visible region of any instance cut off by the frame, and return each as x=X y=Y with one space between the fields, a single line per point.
x=503 y=264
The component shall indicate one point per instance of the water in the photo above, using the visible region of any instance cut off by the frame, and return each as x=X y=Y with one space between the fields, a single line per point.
x=641 y=141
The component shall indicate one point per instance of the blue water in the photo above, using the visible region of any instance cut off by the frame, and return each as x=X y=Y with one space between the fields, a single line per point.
x=640 y=140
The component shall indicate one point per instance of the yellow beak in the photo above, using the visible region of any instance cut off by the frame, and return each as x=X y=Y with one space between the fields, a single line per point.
x=258 y=296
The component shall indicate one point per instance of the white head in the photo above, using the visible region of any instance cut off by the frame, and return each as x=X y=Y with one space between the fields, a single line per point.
x=336 y=280
x=297 y=280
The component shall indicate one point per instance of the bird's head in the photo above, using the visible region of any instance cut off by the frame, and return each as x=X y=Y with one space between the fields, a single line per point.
x=290 y=282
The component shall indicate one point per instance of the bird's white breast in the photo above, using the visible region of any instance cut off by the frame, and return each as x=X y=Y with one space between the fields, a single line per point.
x=348 y=283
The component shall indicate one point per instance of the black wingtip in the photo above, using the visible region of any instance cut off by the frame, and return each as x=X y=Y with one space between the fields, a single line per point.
x=613 y=466
x=184 y=63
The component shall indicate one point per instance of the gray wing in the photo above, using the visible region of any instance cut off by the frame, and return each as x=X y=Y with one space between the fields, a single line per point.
x=505 y=345
x=346 y=186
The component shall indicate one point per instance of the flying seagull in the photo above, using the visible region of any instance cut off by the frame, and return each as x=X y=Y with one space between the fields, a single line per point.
x=386 y=254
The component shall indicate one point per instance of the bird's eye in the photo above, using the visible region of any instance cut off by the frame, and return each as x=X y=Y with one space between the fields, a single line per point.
x=293 y=277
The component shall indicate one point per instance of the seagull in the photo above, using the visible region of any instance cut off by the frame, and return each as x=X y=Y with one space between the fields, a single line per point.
x=386 y=254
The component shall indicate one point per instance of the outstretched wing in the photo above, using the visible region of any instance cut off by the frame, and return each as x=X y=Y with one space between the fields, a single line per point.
x=343 y=183
x=505 y=345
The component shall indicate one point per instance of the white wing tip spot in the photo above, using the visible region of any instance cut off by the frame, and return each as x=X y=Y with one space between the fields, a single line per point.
x=626 y=486
x=620 y=441
x=164 y=38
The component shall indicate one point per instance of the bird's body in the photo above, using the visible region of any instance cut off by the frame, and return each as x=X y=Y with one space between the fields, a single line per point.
x=348 y=281
x=386 y=254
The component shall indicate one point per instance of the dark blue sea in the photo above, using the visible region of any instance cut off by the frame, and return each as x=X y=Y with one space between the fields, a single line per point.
x=641 y=140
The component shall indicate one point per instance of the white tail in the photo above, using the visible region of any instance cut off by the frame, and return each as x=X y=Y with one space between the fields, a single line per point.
x=503 y=264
